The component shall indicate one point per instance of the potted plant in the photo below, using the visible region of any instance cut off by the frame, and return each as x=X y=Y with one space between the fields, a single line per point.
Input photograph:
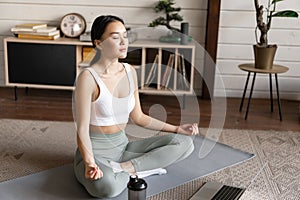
x=264 y=52
x=171 y=14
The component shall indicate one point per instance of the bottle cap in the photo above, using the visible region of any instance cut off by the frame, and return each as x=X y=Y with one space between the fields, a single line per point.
x=136 y=183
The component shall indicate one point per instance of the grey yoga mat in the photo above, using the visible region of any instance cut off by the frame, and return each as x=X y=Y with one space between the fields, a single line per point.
x=60 y=183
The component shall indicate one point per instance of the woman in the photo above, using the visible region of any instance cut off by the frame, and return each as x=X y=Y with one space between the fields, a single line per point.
x=106 y=95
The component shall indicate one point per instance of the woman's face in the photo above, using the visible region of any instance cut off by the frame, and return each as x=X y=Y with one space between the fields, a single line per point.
x=114 y=41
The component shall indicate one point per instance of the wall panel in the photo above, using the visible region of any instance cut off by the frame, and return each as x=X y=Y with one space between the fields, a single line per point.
x=136 y=14
x=236 y=37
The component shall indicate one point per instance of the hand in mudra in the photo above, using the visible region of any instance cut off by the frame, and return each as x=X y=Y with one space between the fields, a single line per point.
x=92 y=171
x=188 y=129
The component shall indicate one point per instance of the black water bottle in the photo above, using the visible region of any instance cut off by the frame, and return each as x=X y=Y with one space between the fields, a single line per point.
x=136 y=188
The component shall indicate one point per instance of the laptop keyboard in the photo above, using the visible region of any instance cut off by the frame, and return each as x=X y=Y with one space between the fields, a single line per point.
x=228 y=193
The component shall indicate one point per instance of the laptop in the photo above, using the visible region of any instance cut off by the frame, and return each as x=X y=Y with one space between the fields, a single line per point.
x=219 y=191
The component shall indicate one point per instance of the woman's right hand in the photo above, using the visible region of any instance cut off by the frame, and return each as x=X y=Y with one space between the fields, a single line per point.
x=92 y=171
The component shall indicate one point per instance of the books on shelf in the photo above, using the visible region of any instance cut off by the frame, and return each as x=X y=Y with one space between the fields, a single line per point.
x=152 y=72
x=168 y=72
x=88 y=54
x=182 y=82
x=48 y=29
x=39 y=37
x=36 y=31
x=31 y=25
x=172 y=76
x=55 y=32
x=179 y=78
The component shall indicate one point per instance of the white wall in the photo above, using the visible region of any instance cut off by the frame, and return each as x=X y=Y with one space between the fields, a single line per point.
x=136 y=13
x=236 y=37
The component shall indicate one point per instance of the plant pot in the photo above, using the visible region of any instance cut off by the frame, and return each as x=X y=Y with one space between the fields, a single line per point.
x=264 y=56
x=174 y=37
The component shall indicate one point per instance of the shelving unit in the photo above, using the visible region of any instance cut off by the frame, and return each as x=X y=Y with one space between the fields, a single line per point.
x=149 y=50
x=55 y=64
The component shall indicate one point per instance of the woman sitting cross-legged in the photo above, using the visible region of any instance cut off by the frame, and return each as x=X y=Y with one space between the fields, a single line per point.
x=105 y=97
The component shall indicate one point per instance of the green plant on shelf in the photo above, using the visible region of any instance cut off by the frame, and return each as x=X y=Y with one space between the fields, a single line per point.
x=171 y=14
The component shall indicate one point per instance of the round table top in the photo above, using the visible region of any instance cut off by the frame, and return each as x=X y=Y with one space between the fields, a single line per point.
x=276 y=69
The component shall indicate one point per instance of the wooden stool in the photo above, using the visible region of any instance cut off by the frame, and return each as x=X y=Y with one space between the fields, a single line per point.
x=276 y=69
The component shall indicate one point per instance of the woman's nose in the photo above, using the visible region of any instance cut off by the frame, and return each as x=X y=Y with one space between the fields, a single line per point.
x=123 y=40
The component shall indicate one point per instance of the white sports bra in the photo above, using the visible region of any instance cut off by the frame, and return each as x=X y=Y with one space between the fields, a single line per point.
x=108 y=110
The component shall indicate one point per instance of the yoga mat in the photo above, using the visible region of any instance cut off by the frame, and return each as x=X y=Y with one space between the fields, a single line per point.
x=60 y=183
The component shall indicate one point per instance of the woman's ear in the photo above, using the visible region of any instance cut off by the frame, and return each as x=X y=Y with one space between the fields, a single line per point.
x=97 y=43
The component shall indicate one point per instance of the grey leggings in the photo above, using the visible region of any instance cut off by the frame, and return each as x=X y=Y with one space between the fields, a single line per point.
x=146 y=154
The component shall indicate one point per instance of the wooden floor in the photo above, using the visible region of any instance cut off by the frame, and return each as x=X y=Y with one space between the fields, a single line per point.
x=42 y=104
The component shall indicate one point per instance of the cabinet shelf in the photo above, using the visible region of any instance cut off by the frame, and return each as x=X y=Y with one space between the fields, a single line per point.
x=171 y=65
x=55 y=64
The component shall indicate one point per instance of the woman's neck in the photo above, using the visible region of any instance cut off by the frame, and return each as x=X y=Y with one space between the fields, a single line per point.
x=105 y=66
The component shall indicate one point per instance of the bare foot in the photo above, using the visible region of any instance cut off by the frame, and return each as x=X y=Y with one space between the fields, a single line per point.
x=128 y=167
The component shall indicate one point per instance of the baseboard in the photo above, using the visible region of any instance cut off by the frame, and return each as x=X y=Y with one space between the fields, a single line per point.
x=257 y=94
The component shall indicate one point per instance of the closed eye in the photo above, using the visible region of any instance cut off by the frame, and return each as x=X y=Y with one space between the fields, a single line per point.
x=115 y=36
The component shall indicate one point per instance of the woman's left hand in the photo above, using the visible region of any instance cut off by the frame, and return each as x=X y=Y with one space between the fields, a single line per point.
x=188 y=129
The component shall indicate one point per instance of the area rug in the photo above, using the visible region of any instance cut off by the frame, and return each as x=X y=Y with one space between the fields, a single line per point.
x=60 y=183
x=28 y=147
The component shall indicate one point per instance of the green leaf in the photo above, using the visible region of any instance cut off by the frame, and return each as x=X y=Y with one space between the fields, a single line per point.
x=176 y=17
x=275 y=1
x=285 y=13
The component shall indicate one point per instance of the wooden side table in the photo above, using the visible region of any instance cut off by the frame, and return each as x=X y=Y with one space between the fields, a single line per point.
x=276 y=69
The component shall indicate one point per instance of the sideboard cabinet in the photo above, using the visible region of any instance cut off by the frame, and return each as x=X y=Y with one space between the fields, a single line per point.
x=55 y=64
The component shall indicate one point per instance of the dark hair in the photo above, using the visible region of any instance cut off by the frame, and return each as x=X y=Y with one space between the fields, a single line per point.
x=100 y=24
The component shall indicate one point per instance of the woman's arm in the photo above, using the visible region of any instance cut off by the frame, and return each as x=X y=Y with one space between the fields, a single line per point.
x=83 y=98
x=141 y=119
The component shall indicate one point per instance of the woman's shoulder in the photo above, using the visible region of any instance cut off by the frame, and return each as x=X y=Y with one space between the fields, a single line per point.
x=85 y=73
x=130 y=67
x=133 y=74
x=85 y=76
